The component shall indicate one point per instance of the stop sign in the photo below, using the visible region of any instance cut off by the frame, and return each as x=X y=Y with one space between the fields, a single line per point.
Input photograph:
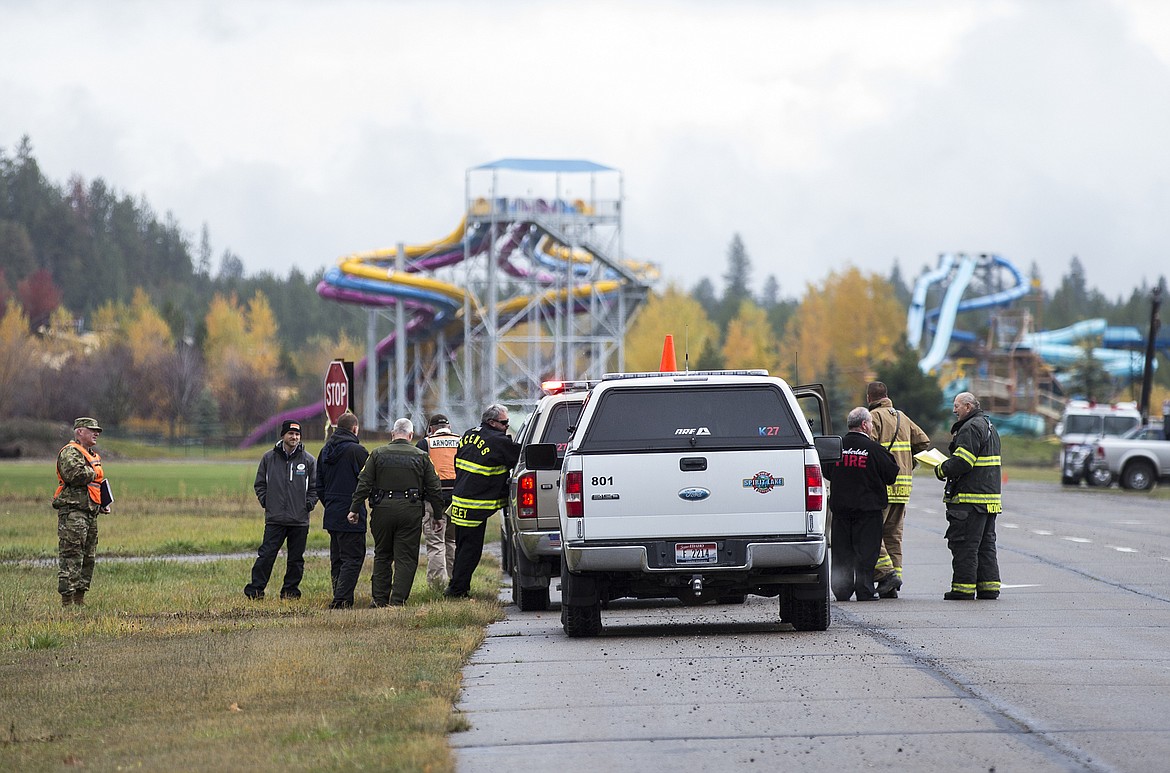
x=336 y=391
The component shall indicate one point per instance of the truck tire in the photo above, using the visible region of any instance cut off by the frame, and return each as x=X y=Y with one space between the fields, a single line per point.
x=506 y=549
x=528 y=599
x=581 y=622
x=580 y=604
x=806 y=607
x=1138 y=475
x=1097 y=477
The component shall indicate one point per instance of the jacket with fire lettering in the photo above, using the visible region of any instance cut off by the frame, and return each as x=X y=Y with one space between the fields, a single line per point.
x=860 y=478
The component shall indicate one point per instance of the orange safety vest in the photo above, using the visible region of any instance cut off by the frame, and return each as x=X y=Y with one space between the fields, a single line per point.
x=94 y=461
x=442 y=447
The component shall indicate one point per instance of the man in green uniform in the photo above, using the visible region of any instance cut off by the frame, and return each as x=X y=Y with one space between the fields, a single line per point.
x=397 y=479
x=78 y=500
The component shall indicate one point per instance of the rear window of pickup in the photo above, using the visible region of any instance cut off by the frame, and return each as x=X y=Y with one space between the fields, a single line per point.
x=736 y=417
x=556 y=430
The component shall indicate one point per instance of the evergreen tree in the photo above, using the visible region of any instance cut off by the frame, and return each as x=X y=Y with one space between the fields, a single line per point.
x=736 y=283
x=901 y=291
x=913 y=391
x=704 y=293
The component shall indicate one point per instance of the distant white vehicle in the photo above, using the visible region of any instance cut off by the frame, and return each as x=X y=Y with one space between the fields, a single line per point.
x=1082 y=424
x=1138 y=460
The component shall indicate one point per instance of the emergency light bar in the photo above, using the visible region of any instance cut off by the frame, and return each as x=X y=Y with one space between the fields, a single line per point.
x=559 y=387
x=685 y=374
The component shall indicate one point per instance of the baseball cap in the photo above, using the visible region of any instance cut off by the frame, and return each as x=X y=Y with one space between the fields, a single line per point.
x=86 y=422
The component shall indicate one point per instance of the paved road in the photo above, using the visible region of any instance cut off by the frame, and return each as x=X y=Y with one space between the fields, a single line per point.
x=1069 y=670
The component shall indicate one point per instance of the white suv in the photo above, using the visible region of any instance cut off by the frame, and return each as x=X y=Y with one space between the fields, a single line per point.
x=698 y=486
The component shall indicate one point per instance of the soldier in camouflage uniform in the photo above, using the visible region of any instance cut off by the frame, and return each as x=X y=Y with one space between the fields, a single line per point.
x=78 y=500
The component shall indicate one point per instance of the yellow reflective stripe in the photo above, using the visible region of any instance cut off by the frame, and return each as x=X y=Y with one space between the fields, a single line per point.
x=477 y=504
x=978 y=499
x=987 y=461
x=478 y=469
x=994 y=585
x=884 y=562
x=965 y=455
x=904 y=480
x=900 y=445
x=963 y=587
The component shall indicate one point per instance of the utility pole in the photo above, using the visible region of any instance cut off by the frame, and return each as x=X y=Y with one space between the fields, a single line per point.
x=1148 y=372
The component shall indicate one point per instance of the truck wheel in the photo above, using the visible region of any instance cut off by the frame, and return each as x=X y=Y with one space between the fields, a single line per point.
x=528 y=599
x=1069 y=480
x=1098 y=477
x=505 y=549
x=806 y=607
x=1138 y=476
x=581 y=621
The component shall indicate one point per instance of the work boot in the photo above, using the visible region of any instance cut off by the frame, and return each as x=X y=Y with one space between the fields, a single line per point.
x=891 y=583
x=66 y=599
x=989 y=595
x=954 y=595
x=79 y=598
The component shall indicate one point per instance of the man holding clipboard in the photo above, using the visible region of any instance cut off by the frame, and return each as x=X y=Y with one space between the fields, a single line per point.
x=82 y=492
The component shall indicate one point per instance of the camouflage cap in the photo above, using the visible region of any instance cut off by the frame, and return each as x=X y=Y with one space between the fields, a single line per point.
x=86 y=423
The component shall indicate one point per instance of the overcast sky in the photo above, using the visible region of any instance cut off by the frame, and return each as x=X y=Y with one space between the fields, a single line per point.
x=827 y=133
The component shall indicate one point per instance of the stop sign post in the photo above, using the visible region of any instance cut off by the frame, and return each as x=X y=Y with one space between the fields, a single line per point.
x=338 y=383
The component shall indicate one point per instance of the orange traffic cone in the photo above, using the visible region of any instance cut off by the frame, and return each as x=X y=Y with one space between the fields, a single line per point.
x=668 y=362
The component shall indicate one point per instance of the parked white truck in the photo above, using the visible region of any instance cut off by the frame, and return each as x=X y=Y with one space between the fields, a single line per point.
x=699 y=486
x=1082 y=424
x=1137 y=460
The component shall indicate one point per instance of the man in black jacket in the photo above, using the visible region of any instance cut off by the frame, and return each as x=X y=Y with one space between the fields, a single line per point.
x=973 y=499
x=858 y=497
x=486 y=454
x=338 y=466
x=286 y=485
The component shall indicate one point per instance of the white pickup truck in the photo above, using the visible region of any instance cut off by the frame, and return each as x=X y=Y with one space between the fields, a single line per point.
x=699 y=486
x=1136 y=460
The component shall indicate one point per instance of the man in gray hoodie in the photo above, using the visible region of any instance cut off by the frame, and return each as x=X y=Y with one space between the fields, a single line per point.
x=286 y=485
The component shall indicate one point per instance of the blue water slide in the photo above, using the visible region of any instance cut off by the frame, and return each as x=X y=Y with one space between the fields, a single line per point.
x=916 y=319
x=946 y=314
x=953 y=304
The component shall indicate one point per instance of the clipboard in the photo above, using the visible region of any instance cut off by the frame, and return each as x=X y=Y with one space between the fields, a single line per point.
x=931 y=457
x=107 y=493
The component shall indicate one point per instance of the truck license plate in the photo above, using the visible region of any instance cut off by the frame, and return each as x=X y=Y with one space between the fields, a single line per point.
x=696 y=553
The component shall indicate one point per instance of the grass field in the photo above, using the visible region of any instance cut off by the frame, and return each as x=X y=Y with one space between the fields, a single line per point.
x=169 y=667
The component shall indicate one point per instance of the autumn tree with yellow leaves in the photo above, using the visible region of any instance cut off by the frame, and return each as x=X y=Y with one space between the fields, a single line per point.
x=844 y=328
x=241 y=353
x=672 y=312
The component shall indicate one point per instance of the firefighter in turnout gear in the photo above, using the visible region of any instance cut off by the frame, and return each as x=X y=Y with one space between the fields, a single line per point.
x=486 y=454
x=898 y=433
x=972 y=498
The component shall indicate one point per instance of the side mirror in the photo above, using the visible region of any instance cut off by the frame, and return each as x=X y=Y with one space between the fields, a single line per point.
x=543 y=456
x=828 y=448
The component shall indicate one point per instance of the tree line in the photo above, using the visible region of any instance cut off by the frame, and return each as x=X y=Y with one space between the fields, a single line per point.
x=107 y=308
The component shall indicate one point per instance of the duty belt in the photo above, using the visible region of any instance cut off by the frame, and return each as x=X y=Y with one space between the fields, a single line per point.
x=380 y=495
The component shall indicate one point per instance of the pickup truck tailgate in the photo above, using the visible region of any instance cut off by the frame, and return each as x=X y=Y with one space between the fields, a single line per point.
x=692 y=494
